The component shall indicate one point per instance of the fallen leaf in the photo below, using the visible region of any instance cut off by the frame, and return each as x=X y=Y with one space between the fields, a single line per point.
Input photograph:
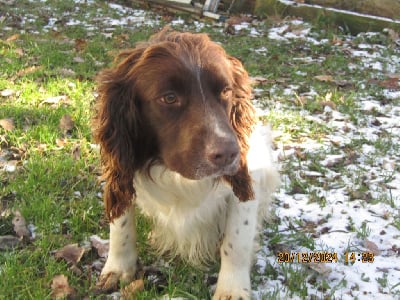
x=261 y=80
x=100 y=245
x=324 y=78
x=343 y=83
x=391 y=83
x=60 y=288
x=372 y=247
x=70 y=253
x=28 y=70
x=20 y=227
x=66 y=124
x=61 y=142
x=320 y=268
x=337 y=40
x=12 y=38
x=329 y=104
x=300 y=100
x=80 y=44
x=236 y=20
x=55 y=100
x=66 y=72
x=7 y=124
x=130 y=291
x=76 y=270
x=9 y=242
x=19 y=52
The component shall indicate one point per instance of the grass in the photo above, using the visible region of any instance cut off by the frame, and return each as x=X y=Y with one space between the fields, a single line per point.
x=56 y=184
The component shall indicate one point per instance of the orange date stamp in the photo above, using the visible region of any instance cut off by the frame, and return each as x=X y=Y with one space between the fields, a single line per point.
x=307 y=257
x=323 y=257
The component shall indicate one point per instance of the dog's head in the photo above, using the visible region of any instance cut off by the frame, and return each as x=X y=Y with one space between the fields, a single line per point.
x=178 y=99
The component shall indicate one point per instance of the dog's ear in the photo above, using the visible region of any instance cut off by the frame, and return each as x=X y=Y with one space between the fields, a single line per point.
x=117 y=130
x=243 y=120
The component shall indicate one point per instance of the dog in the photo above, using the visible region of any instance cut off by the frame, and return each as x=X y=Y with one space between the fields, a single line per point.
x=178 y=138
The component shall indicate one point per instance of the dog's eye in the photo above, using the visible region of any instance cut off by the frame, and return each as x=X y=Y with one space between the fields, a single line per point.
x=169 y=98
x=226 y=93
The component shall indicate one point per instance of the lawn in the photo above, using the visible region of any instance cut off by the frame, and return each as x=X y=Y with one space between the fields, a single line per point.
x=332 y=99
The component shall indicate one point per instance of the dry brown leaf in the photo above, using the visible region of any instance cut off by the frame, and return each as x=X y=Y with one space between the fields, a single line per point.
x=372 y=247
x=391 y=83
x=130 y=291
x=100 y=245
x=235 y=20
x=12 y=38
x=55 y=100
x=70 y=253
x=19 y=52
x=66 y=72
x=61 y=142
x=80 y=44
x=320 y=268
x=343 y=83
x=60 y=288
x=330 y=104
x=300 y=100
x=7 y=124
x=324 y=78
x=261 y=80
x=56 y=34
x=337 y=40
x=28 y=70
x=20 y=227
x=66 y=124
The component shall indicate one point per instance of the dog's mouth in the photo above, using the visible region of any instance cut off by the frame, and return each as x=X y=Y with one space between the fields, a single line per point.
x=208 y=170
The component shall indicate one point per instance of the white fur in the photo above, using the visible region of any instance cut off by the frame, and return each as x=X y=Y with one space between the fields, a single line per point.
x=195 y=219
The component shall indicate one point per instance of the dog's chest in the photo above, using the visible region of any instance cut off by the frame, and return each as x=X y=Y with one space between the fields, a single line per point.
x=189 y=216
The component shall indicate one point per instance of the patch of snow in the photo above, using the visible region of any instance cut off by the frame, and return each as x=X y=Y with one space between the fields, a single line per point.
x=178 y=21
x=390 y=94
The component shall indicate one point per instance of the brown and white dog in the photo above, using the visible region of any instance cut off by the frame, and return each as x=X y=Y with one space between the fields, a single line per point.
x=177 y=134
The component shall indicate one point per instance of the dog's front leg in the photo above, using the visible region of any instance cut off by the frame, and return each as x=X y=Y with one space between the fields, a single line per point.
x=122 y=258
x=237 y=251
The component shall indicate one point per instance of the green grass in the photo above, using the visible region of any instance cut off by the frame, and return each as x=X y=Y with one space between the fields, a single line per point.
x=57 y=190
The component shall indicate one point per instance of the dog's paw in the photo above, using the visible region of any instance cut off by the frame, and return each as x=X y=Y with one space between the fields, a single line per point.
x=107 y=283
x=234 y=294
x=111 y=278
x=233 y=286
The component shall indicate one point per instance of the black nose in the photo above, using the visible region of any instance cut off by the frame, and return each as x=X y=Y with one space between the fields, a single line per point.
x=223 y=153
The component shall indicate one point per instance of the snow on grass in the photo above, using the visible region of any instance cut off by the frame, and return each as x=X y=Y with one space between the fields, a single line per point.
x=360 y=202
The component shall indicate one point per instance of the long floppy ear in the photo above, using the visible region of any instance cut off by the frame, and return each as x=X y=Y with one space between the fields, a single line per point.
x=243 y=119
x=116 y=129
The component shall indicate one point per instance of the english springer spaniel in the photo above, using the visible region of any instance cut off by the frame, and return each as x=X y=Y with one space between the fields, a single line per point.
x=178 y=138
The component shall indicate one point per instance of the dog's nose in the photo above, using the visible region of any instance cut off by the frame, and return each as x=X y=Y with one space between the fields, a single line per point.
x=224 y=153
